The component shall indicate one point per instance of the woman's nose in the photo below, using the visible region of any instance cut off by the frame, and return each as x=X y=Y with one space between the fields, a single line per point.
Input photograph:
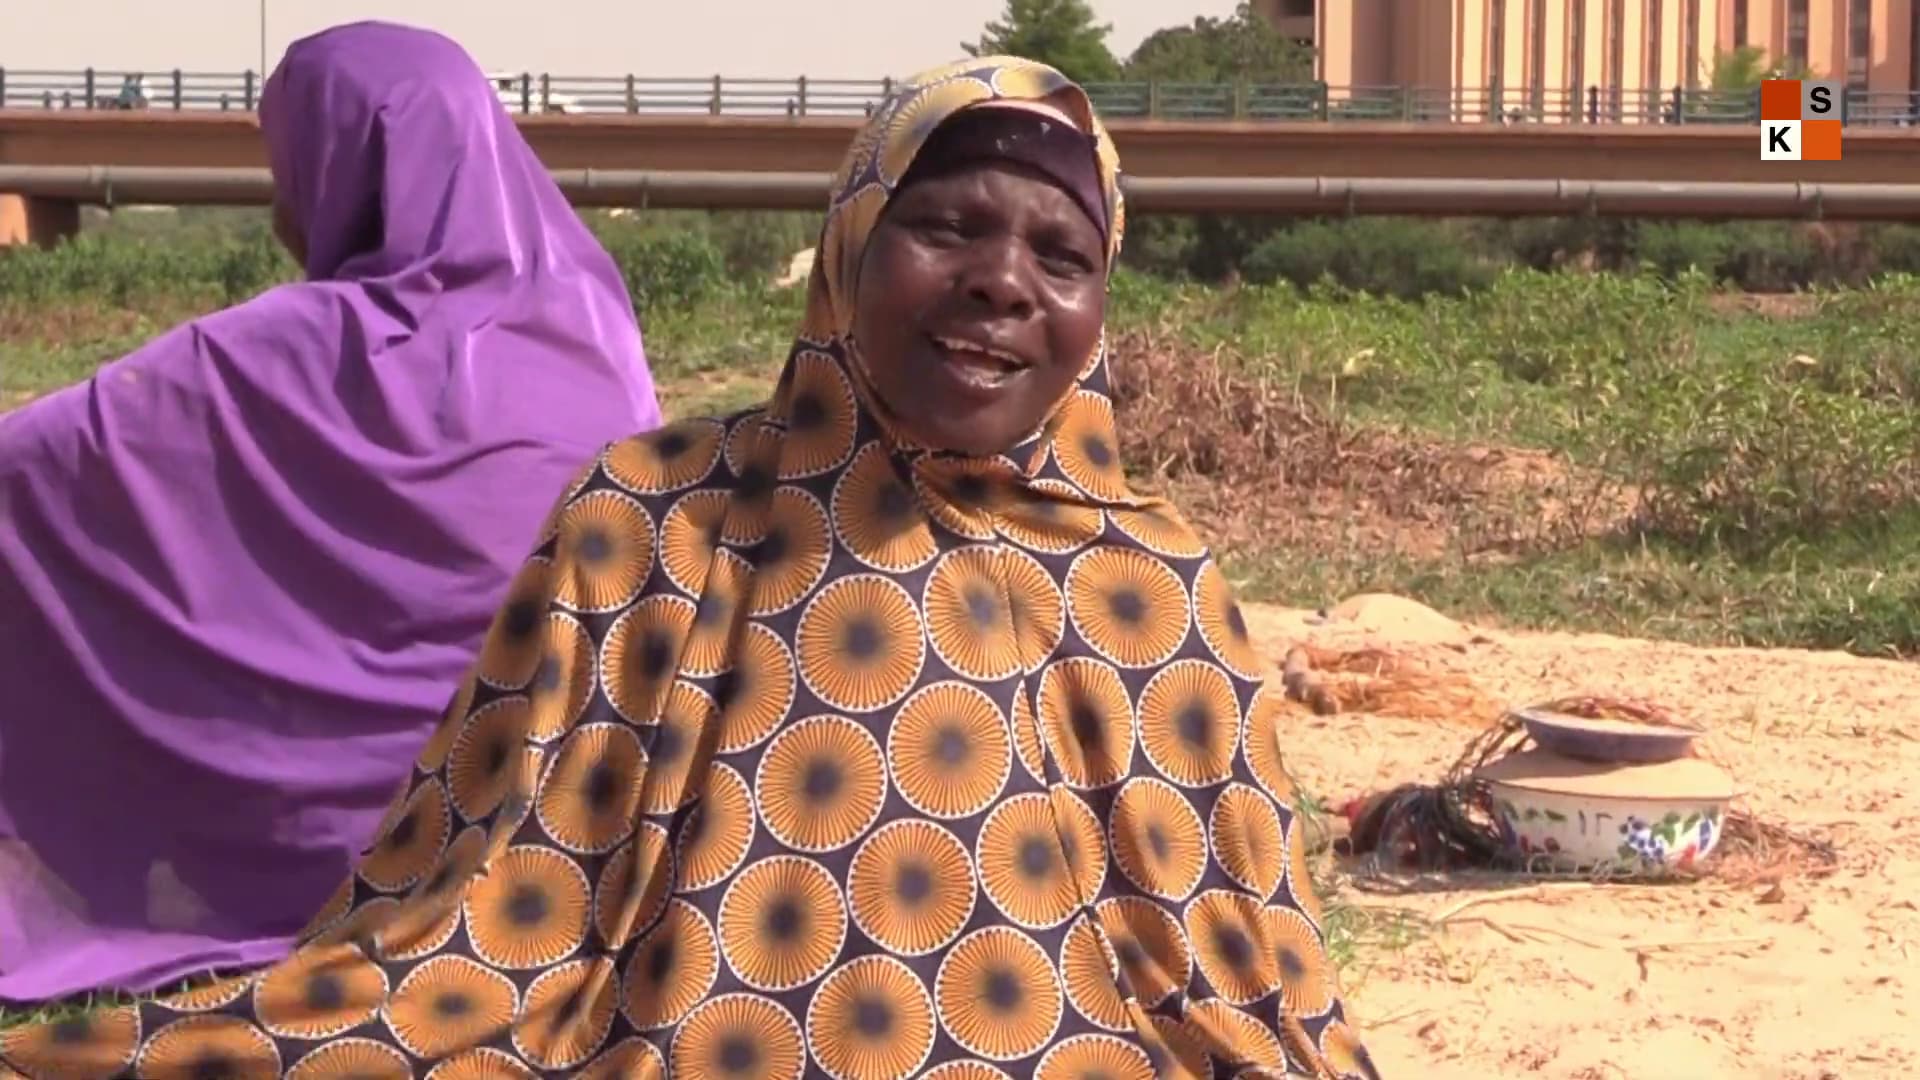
x=1000 y=278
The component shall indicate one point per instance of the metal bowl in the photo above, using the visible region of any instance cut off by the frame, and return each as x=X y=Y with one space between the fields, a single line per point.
x=1623 y=741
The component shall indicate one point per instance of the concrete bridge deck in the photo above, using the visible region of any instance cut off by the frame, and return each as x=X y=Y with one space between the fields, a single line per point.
x=1676 y=153
x=1715 y=153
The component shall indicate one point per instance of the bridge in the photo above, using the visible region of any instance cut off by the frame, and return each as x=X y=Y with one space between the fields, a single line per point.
x=771 y=144
x=719 y=95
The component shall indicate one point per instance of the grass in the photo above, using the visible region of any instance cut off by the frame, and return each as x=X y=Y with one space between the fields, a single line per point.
x=56 y=1011
x=1773 y=459
x=1720 y=475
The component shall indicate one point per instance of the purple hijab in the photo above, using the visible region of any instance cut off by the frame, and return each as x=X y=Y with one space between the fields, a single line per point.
x=243 y=569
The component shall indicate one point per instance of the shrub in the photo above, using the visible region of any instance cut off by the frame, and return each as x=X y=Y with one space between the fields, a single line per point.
x=122 y=270
x=1745 y=463
x=667 y=267
x=1894 y=248
x=1383 y=256
x=1671 y=249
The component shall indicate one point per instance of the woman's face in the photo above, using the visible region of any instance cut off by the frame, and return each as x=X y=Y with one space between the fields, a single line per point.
x=981 y=296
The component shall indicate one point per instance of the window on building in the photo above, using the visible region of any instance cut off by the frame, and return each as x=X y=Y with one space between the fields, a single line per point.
x=1497 y=40
x=1797 y=31
x=1617 y=46
x=1690 y=58
x=1289 y=8
x=1497 y=58
x=1739 y=24
x=1656 y=41
x=1859 y=42
x=1537 y=69
x=1577 y=74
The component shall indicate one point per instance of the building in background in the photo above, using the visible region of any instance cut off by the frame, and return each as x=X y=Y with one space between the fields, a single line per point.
x=1554 y=59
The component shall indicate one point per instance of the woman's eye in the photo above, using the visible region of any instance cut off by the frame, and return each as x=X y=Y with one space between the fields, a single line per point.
x=1065 y=261
x=940 y=228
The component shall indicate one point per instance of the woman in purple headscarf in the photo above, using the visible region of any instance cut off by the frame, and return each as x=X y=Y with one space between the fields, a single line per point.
x=243 y=569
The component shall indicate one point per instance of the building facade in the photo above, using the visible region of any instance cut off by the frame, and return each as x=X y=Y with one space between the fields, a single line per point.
x=1536 y=53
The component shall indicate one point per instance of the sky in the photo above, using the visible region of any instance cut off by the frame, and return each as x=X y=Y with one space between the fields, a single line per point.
x=868 y=39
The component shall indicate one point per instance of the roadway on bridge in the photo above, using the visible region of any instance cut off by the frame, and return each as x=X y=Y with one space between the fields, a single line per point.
x=1148 y=148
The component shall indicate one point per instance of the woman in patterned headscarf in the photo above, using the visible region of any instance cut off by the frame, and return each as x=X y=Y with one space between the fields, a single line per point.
x=881 y=731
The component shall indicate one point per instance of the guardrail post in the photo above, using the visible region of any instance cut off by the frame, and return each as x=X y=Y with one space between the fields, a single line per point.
x=178 y=96
x=713 y=105
x=1240 y=95
x=1320 y=97
x=248 y=90
x=1593 y=104
x=803 y=95
x=3 y=88
x=1496 y=102
x=546 y=92
x=633 y=98
x=1153 y=98
x=526 y=93
x=89 y=85
x=1679 y=109
x=1753 y=106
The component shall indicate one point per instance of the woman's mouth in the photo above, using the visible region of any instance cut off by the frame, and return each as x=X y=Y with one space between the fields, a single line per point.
x=980 y=366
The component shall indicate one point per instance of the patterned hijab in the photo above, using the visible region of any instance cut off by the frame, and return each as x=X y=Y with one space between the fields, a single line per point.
x=798 y=751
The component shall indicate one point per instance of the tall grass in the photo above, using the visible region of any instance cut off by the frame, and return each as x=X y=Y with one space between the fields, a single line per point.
x=1720 y=473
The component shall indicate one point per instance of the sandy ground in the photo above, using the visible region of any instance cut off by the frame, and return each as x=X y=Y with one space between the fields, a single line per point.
x=1808 y=979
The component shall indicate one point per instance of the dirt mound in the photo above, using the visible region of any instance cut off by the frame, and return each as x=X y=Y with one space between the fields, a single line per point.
x=1399 y=618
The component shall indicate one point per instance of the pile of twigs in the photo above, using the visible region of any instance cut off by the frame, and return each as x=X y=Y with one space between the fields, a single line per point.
x=1331 y=681
x=1253 y=461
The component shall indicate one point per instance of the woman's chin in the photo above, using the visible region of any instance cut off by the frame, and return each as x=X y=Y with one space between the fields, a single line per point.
x=960 y=438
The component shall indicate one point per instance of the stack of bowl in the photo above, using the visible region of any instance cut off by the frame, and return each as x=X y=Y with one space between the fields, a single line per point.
x=1593 y=792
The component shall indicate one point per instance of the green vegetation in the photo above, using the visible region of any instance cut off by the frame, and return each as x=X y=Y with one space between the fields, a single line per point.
x=1709 y=472
x=1058 y=32
x=1243 y=48
x=1746 y=67
x=1418 y=407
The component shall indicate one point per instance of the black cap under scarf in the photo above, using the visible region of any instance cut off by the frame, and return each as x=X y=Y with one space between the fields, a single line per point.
x=993 y=131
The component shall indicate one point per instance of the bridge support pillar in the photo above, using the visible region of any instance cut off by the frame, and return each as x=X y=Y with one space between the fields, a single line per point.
x=30 y=219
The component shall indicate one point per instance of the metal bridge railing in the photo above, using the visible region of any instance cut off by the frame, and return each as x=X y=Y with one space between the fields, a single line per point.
x=105 y=89
x=529 y=92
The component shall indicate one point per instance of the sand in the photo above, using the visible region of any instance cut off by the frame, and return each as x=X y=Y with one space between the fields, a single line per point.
x=1807 y=978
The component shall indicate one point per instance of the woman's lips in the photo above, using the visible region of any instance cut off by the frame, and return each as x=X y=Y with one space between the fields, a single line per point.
x=977 y=365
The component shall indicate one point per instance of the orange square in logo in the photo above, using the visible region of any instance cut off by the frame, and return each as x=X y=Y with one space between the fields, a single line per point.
x=1780 y=99
x=1820 y=140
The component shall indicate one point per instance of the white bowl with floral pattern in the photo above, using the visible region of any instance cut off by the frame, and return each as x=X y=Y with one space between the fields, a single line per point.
x=1582 y=814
